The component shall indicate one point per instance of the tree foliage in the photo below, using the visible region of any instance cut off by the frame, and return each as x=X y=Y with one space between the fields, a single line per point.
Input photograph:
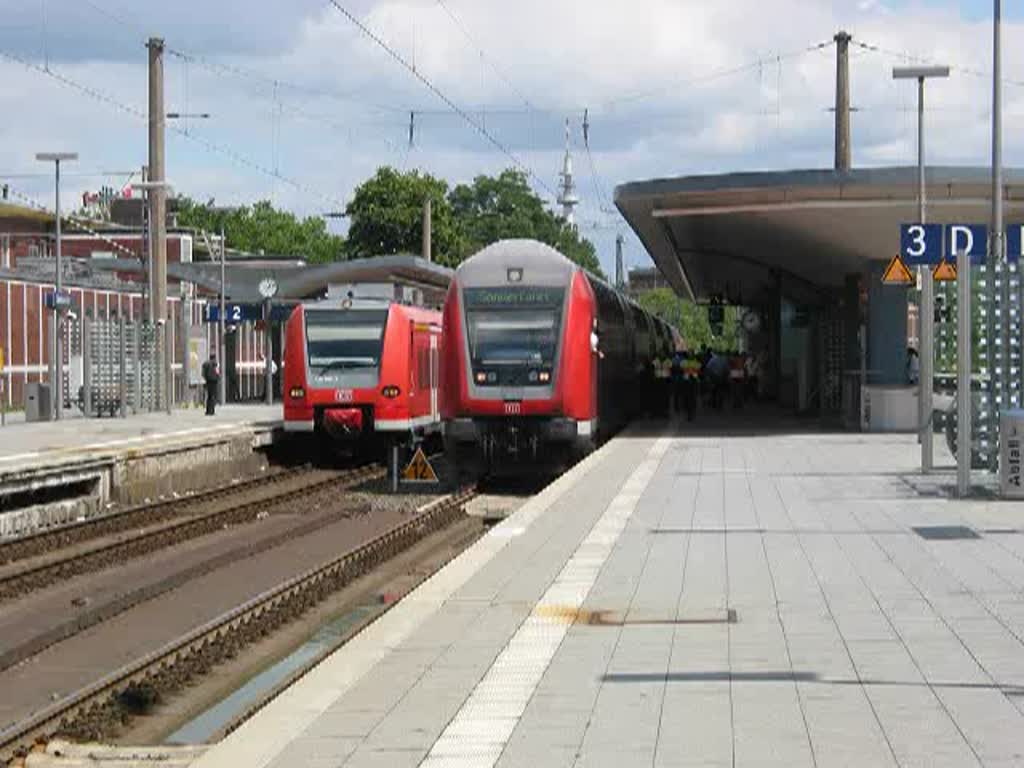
x=263 y=228
x=502 y=207
x=691 y=319
x=386 y=217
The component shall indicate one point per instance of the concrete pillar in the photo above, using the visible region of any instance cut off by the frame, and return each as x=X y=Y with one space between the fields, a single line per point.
x=887 y=328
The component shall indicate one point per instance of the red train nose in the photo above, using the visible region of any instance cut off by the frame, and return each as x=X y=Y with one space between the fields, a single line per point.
x=343 y=421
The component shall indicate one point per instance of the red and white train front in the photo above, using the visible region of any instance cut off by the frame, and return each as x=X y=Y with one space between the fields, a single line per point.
x=358 y=368
x=519 y=373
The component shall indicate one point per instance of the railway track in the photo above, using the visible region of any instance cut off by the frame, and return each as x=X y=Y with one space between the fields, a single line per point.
x=92 y=711
x=17 y=582
x=66 y=536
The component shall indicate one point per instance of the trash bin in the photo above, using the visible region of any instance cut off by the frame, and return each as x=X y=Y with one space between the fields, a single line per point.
x=1011 y=454
x=37 y=402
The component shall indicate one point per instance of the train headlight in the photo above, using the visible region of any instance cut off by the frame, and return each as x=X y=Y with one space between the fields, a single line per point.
x=532 y=377
x=492 y=377
x=545 y=377
x=391 y=391
x=297 y=393
x=481 y=377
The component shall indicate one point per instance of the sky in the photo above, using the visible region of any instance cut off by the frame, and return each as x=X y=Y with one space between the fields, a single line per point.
x=304 y=105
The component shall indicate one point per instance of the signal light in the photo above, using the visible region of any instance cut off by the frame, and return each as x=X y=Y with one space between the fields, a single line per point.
x=297 y=393
x=391 y=391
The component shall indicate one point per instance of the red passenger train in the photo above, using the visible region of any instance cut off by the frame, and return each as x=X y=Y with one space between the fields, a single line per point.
x=540 y=359
x=356 y=370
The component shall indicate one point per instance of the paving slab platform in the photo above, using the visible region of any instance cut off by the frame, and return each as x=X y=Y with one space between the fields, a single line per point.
x=77 y=466
x=733 y=599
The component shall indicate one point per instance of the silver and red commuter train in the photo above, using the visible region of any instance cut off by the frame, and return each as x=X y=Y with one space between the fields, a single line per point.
x=359 y=371
x=540 y=359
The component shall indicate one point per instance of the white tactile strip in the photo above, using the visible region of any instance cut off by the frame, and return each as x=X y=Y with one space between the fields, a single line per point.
x=478 y=733
x=268 y=733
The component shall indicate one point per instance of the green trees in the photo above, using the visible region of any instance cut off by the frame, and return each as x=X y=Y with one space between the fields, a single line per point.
x=386 y=216
x=261 y=227
x=497 y=208
x=386 y=210
x=692 y=319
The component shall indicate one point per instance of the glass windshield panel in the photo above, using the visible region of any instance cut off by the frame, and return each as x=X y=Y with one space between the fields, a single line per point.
x=513 y=337
x=513 y=332
x=344 y=340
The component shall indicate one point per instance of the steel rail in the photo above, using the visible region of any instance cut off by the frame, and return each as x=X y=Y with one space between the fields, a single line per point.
x=63 y=536
x=89 y=711
x=34 y=578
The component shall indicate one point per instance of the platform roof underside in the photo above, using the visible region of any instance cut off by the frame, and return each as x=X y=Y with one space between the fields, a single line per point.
x=736 y=234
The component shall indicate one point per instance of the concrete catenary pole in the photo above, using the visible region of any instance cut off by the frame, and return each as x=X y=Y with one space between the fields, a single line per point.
x=997 y=256
x=926 y=321
x=427 y=231
x=157 y=173
x=268 y=351
x=843 y=160
x=964 y=432
x=222 y=341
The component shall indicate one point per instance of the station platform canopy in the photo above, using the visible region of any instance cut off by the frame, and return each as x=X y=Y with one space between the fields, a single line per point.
x=733 y=235
x=297 y=280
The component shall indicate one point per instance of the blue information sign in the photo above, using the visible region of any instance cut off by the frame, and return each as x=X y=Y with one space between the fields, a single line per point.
x=1014 y=242
x=242 y=313
x=921 y=244
x=972 y=238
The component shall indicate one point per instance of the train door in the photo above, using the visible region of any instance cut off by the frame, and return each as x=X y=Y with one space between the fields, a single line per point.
x=434 y=377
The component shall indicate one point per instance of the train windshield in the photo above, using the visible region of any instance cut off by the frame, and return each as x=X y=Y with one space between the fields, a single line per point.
x=345 y=345
x=513 y=333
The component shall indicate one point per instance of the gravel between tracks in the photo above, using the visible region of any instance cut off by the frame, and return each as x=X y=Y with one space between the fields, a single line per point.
x=83 y=658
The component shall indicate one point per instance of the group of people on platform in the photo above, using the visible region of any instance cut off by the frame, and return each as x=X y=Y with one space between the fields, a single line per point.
x=686 y=378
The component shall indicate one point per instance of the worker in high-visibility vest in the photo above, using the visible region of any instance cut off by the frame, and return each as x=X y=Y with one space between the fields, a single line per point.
x=663 y=384
x=691 y=367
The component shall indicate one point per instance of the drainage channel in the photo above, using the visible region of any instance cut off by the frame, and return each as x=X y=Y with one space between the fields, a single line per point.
x=203 y=728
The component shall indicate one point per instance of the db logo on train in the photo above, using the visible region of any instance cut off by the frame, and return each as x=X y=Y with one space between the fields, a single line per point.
x=343 y=395
x=513 y=409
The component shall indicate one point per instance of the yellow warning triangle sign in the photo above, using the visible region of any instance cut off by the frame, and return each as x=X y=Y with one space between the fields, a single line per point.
x=419 y=469
x=897 y=273
x=944 y=272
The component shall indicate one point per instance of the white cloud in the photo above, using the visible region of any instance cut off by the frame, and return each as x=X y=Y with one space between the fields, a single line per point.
x=642 y=69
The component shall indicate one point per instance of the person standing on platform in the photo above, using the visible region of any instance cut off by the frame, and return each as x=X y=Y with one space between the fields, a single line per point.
x=678 y=380
x=211 y=377
x=717 y=371
x=737 y=379
x=663 y=384
x=691 y=385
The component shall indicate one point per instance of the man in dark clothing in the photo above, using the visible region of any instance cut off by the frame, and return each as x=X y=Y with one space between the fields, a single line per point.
x=211 y=376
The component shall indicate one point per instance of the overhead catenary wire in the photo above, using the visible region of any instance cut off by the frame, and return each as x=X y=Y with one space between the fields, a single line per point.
x=498 y=70
x=718 y=74
x=79 y=222
x=271 y=81
x=910 y=57
x=211 y=146
x=442 y=96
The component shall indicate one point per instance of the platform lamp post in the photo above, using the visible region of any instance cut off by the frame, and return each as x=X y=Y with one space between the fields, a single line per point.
x=926 y=351
x=59 y=304
x=164 y=359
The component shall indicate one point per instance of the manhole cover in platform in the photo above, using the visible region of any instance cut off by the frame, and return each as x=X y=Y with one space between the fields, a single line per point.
x=945 y=532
